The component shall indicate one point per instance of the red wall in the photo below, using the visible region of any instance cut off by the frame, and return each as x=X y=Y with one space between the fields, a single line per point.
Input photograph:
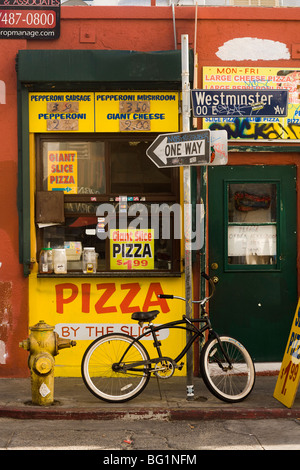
x=119 y=28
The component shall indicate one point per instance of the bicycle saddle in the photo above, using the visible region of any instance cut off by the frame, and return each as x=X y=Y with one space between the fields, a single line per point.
x=145 y=316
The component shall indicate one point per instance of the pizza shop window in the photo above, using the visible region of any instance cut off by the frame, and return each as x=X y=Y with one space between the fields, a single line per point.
x=116 y=205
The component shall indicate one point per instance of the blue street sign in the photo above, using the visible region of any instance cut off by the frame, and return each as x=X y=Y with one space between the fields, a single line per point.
x=239 y=103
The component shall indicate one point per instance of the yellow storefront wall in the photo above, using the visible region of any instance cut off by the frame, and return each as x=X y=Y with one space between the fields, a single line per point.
x=83 y=308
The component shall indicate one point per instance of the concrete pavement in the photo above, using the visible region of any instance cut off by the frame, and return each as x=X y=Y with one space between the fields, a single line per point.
x=74 y=401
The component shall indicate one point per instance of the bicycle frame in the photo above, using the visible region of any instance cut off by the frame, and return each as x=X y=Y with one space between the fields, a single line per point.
x=113 y=378
x=188 y=326
x=184 y=324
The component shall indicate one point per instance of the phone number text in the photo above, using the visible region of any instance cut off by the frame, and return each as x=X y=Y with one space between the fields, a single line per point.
x=27 y=19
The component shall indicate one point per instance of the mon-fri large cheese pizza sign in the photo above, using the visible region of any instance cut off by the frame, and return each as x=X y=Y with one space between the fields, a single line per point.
x=289 y=375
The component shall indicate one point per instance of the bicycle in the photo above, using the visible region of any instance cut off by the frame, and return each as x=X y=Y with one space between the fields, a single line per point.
x=117 y=367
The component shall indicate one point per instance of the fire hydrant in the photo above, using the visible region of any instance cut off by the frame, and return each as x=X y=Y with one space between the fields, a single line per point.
x=43 y=344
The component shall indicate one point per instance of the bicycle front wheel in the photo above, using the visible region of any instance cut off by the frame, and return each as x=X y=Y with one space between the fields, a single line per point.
x=104 y=379
x=229 y=382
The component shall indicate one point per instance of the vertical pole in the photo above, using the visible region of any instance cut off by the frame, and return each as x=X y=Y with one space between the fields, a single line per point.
x=174 y=26
x=187 y=206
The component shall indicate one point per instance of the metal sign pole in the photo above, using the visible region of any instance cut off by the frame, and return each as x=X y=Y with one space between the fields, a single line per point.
x=187 y=206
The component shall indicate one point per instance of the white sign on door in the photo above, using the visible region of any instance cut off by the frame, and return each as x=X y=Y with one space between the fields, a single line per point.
x=248 y=240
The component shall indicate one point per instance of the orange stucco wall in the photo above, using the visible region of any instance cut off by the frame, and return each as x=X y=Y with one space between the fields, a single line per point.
x=114 y=28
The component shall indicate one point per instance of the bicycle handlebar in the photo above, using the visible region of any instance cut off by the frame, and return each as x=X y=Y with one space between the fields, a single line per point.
x=206 y=276
x=203 y=301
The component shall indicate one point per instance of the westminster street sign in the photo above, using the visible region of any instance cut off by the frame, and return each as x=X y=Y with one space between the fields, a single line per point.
x=239 y=103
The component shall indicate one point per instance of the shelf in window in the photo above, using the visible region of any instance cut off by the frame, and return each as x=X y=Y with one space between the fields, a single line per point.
x=110 y=274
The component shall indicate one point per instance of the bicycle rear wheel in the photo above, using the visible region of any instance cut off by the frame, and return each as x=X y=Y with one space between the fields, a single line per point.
x=103 y=380
x=230 y=383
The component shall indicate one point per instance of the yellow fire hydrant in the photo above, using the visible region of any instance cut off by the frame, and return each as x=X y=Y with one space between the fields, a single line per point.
x=43 y=344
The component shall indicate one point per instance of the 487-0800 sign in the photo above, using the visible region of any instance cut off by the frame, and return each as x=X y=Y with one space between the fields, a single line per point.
x=30 y=19
x=27 y=19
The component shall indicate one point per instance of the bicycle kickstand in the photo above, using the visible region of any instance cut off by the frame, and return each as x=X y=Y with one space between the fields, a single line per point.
x=158 y=385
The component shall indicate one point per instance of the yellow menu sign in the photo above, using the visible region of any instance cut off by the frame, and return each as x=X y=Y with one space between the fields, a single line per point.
x=136 y=111
x=65 y=112
x=289 y=375
x=142 y=111
x=263 y=78
x=132 y=249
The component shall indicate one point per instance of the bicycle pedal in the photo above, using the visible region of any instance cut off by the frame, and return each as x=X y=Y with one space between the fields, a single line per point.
x=180 y=366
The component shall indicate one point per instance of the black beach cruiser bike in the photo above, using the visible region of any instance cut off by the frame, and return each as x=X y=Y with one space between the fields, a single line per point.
x=117 y=367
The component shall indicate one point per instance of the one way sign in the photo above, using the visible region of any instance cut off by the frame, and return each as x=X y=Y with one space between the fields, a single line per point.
x=181 y=149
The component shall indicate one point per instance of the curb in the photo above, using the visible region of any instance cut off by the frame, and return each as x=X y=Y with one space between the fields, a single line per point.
x=53 y=413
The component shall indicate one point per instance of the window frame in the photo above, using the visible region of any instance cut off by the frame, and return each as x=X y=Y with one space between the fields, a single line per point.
x=232 y=267
x=150 y=198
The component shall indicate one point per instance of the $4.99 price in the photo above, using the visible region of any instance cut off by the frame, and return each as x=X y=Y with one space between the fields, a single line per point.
x=289 y=373
x=27 y=19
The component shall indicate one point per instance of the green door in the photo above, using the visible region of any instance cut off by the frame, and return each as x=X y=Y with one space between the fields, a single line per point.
x=252 y=255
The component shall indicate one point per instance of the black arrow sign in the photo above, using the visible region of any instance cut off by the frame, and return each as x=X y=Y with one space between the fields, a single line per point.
x=180 y=149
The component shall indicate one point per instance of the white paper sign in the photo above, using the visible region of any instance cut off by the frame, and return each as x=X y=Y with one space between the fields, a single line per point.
x=252 y=240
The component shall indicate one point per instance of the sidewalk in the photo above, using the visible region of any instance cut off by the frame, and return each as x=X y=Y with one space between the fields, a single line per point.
x=74 y=401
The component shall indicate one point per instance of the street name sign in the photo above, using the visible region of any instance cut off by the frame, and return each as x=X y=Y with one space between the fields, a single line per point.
x=181 y=149
x=239 y=103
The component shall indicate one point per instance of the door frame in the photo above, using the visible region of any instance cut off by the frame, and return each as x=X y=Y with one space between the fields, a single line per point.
x=242 y=154
x=245 y=154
